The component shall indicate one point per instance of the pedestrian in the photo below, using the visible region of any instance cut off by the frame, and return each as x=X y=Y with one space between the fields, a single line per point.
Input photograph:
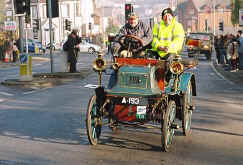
x=240 y=49
x=232 y=54
x=72 y=47
x=15 y=52
x=216 y=46
x=223 y=50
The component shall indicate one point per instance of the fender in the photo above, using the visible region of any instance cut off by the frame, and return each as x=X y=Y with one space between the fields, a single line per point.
x=184 y=80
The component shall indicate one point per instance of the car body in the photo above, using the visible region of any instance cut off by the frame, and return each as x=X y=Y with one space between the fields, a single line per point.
x=200 y=43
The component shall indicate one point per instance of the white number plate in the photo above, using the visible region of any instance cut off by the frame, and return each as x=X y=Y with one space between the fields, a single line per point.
x=141 y=110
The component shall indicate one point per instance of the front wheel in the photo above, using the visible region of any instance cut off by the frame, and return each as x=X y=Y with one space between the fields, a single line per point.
x=167 y=126
x=187 y=111
x=93 y=121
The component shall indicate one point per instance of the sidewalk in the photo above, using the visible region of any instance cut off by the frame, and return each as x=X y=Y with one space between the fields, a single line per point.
x=234 y=77
x=44 y=80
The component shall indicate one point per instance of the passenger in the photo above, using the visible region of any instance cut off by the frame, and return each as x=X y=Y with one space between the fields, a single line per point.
x=137 y=28
x=168 y=39
x=168 y=36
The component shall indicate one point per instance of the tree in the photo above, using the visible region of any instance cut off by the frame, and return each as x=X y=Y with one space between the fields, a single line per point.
x=235 y=12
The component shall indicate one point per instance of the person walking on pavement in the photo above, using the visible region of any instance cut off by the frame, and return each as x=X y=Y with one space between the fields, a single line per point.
x=15 y=52
x=240 y=49
x=72 y=47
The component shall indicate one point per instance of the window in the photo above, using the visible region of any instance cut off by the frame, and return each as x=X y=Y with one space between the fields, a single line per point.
x=65 y=9
x=78 y=12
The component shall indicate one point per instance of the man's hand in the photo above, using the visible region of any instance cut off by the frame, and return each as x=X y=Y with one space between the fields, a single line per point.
x=162 y=48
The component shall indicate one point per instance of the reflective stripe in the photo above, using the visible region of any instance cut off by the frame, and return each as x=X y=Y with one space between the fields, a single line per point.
x=178 y=36
x=166 y=38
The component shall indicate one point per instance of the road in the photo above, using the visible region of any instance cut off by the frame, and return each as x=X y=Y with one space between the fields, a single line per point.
x=47 y=127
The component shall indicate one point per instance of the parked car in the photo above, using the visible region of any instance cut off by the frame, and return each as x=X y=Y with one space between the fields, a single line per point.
x=34 y=46
x=200 y=43
x=89 y=47
x=55 y=45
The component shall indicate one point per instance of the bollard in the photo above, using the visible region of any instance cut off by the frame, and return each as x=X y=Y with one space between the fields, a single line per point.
x=25 y=68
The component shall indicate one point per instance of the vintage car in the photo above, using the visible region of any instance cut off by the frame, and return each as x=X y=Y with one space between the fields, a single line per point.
x=197 y=43
x=141 y=95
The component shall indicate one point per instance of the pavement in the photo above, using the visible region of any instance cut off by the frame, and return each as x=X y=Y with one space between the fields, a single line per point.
x=43 y=80
x=232 y=77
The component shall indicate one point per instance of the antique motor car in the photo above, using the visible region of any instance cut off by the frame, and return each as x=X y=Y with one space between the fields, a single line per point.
x=141 y=95
x=197 y=43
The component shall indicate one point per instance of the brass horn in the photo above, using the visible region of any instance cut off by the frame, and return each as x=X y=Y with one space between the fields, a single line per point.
x=99 y=64
x=115 y=66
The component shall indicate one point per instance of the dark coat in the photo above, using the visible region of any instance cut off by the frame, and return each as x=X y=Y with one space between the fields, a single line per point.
x=72 y=51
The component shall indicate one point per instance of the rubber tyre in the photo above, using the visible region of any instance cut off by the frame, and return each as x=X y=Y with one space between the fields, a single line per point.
x=167 y=131
x=92 y=125
x=186 y=112
x=91 y=50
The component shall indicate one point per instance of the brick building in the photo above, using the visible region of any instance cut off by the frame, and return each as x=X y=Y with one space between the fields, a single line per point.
x=205 y=15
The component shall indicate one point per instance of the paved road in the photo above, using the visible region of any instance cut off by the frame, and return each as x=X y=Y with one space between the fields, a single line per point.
x=47 y=127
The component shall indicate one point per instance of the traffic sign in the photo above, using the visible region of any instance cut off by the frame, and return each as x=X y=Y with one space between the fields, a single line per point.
x=23 y=58
x=10 y=25
x=241 y=17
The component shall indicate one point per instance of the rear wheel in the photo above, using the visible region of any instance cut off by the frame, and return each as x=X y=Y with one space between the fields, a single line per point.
x=91 y=50
x=167 y=126
x=187 y=110
x=93 y=122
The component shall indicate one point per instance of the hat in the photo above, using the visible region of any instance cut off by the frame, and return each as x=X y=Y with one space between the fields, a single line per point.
x=75 y=31
x=133 y=15
x=167 y=10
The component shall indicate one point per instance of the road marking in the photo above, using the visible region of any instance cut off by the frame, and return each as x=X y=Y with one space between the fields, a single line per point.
x=91 y=86
x=1 y=100
x=6 y=94
x=26 y=93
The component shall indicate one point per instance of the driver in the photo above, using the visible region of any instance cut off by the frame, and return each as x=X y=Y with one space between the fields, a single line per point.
x=136 y=28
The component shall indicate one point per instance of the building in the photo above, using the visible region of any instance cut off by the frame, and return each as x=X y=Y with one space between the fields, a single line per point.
x=205 y=15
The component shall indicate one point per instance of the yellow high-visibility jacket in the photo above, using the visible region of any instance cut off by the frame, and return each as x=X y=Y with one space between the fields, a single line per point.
x=171 y=36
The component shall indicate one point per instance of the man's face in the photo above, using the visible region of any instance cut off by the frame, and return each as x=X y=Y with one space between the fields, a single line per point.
x=167 y=18
x=133 y=21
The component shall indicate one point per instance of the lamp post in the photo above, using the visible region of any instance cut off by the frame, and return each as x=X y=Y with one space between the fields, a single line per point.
x=214 y=17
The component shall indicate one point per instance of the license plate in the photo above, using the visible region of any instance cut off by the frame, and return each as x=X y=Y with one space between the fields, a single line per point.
x=141 y=110
x=130 y=100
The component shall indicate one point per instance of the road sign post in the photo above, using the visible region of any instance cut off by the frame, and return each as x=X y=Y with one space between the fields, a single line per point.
x=25 y=67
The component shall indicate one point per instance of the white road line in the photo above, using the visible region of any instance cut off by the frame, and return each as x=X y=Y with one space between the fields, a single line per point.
x=1 y=100
x=26 y=93
x=91 y=86
x=6 y=94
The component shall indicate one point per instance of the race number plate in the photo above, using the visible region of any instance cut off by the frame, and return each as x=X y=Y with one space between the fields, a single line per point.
x=141 y=110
